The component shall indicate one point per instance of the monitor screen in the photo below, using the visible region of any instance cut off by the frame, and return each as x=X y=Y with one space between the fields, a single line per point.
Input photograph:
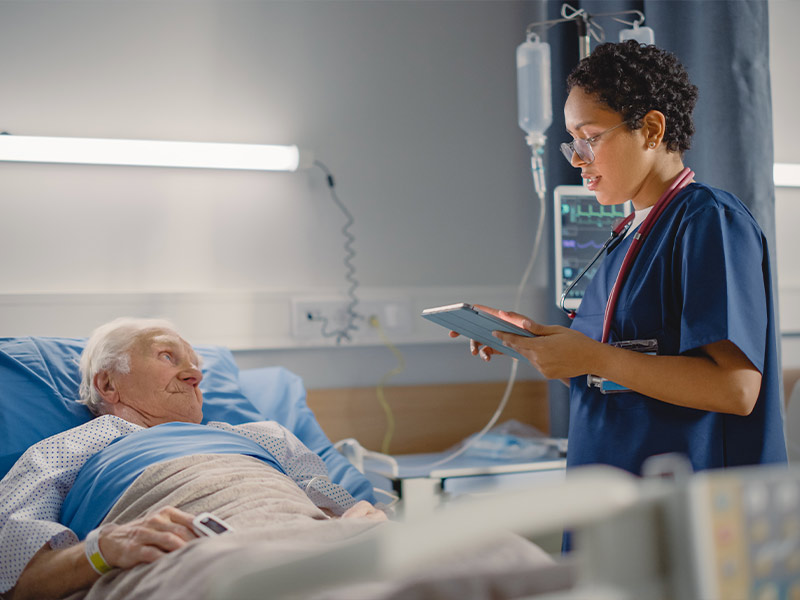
x=581 y=227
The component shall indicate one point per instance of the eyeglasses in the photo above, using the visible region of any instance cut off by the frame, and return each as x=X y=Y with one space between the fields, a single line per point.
x=583 y=147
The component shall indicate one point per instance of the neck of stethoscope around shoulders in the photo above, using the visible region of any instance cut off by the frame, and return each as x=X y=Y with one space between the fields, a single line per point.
x=617 y=235
x=681 y=181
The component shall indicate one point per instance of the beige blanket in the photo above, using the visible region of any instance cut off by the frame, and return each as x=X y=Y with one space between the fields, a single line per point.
x=276 y=523
x=272 y=517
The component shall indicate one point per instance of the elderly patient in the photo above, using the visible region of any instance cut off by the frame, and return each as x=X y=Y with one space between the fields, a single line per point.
x=140 y=380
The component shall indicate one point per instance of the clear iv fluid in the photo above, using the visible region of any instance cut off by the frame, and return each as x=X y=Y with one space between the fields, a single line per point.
x=643 y=35
x=533 y=85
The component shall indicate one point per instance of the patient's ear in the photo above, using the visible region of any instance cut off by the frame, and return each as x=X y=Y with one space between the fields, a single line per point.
x=106 y=387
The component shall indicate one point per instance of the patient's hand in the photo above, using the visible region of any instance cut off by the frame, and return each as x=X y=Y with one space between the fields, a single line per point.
x=58 y=573
x=364 y=510
x=146 y=539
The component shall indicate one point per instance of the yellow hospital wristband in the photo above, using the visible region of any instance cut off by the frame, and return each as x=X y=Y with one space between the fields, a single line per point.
x=96 y=559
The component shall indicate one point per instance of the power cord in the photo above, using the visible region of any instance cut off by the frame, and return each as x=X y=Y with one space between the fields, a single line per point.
x=537 y=172
x=401 y=366
x=351 y=316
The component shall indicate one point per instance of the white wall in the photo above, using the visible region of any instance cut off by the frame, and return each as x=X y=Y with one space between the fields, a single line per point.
x=411 y=104
x=783 y=14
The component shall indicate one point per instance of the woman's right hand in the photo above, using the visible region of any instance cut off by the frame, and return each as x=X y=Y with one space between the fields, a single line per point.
x=478 y=349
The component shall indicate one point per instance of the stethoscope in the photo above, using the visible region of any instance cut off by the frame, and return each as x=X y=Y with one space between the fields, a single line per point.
x=617 y=235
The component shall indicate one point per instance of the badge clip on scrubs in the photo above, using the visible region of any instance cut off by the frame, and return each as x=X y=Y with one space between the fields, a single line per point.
x=646 y=346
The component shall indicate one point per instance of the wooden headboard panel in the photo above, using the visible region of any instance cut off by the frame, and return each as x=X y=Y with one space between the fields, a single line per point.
x=432 y=418
x=428 y=418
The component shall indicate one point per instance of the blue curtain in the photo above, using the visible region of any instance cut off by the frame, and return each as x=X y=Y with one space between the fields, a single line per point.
x=724 y=44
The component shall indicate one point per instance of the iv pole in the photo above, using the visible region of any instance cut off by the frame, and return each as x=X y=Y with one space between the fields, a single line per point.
x=587 y=27
x=586 y=24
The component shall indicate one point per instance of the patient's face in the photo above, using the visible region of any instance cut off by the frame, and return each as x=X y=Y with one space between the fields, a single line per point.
x=162 y=383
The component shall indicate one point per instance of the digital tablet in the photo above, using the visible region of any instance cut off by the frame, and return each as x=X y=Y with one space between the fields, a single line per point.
x=475 y=324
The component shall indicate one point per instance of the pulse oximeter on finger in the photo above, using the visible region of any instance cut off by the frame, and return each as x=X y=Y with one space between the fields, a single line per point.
x=207 y=524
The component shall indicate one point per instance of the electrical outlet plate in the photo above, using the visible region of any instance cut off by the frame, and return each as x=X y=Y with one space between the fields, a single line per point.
x=312 y=316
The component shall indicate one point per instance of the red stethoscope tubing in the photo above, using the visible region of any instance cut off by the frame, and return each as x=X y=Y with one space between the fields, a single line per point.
x=680 y=182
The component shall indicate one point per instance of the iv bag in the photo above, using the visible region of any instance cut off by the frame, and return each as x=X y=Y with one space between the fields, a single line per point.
x=533 y=85
x=643 y=35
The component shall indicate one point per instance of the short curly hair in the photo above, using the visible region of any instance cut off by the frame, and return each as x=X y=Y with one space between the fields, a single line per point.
x=633 y=79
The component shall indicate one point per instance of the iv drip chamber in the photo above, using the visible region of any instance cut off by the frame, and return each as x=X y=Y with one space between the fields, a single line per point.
x=533 y=85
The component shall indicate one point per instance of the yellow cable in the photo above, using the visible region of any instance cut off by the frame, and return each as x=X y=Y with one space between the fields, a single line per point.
x=387 y=438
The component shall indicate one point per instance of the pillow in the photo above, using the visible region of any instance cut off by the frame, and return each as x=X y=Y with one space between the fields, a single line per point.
x=280 y=394
x=39 y=380
x=223 y=398
x=38 y=386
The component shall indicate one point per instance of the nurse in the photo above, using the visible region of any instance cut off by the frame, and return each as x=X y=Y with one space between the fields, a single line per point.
x=696 y=280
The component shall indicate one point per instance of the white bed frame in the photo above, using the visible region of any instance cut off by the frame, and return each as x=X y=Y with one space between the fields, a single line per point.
x=586 y=496
x=655 y=538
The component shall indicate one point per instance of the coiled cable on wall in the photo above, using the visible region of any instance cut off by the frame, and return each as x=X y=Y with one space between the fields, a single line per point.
x=351 y=316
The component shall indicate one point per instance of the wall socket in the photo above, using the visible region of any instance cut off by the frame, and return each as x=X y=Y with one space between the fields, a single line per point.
x=313 y=316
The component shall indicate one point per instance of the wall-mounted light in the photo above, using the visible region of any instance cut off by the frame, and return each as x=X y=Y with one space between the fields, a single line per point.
x=202 y=155
x=786 y=175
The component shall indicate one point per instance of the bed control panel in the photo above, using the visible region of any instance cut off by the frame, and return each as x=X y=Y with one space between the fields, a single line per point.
x=727 y=534
x=744 y=533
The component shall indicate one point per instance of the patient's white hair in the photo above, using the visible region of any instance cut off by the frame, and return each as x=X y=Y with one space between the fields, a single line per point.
x=108 y=350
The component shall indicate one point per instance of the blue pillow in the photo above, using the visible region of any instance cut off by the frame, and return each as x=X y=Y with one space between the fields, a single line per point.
x=38 y=386
x=39 y=380
x=223 y=398
x=279 y=393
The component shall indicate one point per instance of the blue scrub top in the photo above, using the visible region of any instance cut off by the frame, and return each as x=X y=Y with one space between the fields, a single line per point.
x=702 y=276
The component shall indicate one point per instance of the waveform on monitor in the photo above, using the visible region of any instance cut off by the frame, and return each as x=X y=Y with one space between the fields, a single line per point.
x=581 y=246
x=592 y=214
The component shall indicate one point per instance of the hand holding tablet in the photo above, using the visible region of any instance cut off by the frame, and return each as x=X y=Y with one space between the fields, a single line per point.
x=475 y=324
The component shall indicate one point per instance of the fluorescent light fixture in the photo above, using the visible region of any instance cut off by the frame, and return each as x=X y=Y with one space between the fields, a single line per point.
x=786 y=175
x=199 y=155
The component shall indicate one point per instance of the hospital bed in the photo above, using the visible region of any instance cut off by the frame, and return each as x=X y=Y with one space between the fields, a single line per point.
x=721 y=535
x=725 y=535
x=39 y=380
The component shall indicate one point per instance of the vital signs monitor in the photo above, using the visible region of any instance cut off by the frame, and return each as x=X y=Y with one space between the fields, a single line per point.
x=581 y=227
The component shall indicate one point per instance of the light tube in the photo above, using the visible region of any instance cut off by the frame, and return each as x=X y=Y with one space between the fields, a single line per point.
x=786 y=175
x=200 y=155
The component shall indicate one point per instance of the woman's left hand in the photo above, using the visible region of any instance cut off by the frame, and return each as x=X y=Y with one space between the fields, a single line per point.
x=557 y=352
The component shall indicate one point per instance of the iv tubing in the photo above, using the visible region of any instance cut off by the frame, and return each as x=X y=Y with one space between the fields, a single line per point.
x=537 y=172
